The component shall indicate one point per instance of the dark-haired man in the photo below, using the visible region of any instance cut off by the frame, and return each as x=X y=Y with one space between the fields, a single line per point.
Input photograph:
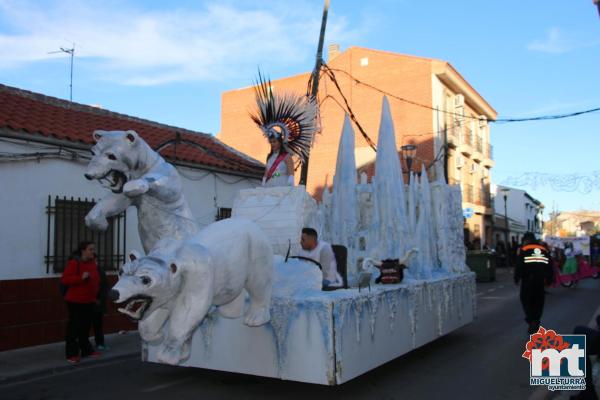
x=320 y=251
x=534 y=270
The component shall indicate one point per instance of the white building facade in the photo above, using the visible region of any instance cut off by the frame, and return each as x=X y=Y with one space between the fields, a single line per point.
x=524 y=213
x=44 y=149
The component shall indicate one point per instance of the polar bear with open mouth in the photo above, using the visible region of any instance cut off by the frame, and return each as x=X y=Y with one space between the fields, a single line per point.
x=137 y=175
x=171 y=290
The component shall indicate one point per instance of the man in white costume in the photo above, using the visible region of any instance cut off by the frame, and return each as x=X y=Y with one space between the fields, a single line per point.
x=321 y=252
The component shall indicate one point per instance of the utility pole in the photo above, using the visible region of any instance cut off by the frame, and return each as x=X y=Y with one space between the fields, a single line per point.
x=446 y=153
x=445 y=144
x=71 y=52
x=315 y=83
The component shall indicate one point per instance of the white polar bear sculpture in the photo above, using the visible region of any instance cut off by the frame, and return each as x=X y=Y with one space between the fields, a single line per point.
x=177 y=284
x=138 y=176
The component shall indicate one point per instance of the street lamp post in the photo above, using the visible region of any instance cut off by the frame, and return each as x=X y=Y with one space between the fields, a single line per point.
x=505 y=196
x=409 y=152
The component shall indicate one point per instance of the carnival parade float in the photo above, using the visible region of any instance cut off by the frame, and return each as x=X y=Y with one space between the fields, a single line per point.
x=232 y=297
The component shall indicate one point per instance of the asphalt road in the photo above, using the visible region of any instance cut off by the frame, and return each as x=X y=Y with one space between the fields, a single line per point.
x=481 y=360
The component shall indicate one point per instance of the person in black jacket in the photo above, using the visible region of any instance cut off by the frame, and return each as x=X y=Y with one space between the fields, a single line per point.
x=100 y=310
x=533 y=270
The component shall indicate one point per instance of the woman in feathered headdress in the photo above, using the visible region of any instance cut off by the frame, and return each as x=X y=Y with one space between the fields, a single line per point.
x=289 y=123
x=280 y=165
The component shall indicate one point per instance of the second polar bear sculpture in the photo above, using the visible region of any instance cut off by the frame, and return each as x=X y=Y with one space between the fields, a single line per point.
x=170 y=290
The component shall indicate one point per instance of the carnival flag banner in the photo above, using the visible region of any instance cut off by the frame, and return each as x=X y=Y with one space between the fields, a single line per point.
x=579 y=245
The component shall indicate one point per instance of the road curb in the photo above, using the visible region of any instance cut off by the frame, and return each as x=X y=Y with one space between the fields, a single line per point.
x=46 y=372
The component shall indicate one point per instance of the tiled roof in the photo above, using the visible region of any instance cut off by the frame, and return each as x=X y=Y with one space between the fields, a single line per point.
x=32 y=113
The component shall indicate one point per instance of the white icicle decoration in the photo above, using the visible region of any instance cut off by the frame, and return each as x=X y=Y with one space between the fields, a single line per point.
x=425 y=236
x=413 y=205
x=390 y=207
x=344 y=204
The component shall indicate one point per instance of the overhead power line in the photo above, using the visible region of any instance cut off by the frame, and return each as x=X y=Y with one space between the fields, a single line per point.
x=547 y=117
x=459 y=115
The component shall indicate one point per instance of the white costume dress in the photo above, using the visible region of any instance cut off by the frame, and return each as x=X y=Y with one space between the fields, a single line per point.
x=280 y=177
x=323 y=253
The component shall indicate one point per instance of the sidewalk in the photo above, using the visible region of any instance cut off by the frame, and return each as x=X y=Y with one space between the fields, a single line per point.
x=48 y=359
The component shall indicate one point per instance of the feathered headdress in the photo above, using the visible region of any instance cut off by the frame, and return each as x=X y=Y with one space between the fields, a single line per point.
x=292 y=118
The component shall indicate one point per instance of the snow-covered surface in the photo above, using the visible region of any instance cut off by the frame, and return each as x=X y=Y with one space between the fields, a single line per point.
x=339 y=334
x=296 y=278
x=280 y=211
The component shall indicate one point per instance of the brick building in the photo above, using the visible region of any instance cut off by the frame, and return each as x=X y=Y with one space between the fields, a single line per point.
x=426 y=83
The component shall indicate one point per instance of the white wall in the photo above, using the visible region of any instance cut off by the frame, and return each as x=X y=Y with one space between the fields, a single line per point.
x=514 y=203
x=516 y=206
x=206 y=191
x=24 y=190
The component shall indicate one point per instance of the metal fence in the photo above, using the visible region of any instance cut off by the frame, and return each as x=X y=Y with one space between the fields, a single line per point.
x=484 y=197
x=66 y=229
x=467 y=137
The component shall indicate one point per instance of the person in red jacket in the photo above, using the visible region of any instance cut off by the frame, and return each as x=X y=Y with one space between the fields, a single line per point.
x=81 y=277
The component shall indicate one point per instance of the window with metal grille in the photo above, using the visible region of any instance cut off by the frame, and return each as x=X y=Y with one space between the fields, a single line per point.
x=66 y=229
x=223 y=213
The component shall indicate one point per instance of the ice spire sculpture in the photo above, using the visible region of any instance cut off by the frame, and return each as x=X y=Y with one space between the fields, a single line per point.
x=324 y=213
x=427 y=252
x=412 y=204
x=435 y=259
x=440 y=175
x=412 y=194
x=344 y=204
x=391 y=228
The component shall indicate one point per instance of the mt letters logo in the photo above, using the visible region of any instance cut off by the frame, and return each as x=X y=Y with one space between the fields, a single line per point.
x=556 y=361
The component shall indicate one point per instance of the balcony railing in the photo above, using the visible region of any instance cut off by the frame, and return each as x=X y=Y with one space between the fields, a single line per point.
x=457 y=132
x=480 y=197
x=489 y=151
x=468 y=193
x=484 y=198
x=467 y=136
x=452 y=137
x=478 y=144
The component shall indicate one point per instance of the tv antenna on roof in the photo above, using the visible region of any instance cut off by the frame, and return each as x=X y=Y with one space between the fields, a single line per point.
x=71 y=52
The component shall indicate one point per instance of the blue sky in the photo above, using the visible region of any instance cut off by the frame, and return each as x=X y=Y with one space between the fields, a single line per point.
x=170 y=61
